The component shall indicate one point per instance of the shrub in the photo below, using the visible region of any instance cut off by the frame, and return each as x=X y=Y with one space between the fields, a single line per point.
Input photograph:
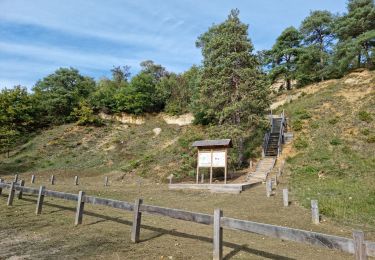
x=365 y=116
x=297 y=125
x=301 y=143
x=371 y=139
x=333 y=121
x=314 y=125
x=365 y=131
x=336 y=141
x=303 y=114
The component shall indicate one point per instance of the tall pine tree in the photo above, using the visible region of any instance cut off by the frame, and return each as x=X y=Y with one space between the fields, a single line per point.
x=232 y=90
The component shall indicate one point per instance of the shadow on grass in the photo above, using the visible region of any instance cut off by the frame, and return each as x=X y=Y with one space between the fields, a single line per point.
x=161 y=231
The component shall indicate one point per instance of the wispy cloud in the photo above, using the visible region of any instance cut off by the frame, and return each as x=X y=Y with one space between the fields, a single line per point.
x=41 y=35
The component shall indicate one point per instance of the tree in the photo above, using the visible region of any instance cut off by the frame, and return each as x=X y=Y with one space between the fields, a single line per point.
x=177 y=90
x=355 y=31
x=232 y=92
x=317 y=34
x=140 y=96
x=120 y=74
x=60 y=92
x=155 y=70
x=283 y=56
x=17 y=115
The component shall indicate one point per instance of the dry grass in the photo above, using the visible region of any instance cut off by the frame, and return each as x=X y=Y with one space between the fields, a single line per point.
x=105 y=232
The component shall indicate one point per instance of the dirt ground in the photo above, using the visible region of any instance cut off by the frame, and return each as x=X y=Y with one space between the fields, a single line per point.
x=105 y=232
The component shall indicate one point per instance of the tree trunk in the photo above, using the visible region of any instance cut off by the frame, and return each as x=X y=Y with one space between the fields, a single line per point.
x=240 y=151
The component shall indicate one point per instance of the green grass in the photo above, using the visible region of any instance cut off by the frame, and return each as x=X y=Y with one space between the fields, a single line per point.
x=335 y=160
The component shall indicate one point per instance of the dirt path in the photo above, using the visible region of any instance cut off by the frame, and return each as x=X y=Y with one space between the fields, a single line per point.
x=105 y=232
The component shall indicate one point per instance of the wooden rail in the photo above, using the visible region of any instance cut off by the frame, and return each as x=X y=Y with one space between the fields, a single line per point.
x=356 y=245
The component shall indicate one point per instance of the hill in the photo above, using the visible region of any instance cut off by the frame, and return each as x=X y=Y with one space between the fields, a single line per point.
x=333 y=154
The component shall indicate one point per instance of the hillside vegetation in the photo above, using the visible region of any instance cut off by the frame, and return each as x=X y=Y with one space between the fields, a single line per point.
x=333 y=159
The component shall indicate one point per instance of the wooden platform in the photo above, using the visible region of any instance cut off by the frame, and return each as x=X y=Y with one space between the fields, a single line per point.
x=219 y=188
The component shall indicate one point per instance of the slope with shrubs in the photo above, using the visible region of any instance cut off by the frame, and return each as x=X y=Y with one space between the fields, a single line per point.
x=334 y=148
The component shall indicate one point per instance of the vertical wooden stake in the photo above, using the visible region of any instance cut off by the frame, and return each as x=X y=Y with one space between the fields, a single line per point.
x=11 y=194
x=170 y=179
x=226 y=166
x=76 y=180
x=1 y=189
x=218 y=235
x=53 y=180
x=285 y=197
x=269 y=187
x=197 y=177
x=275 y=180
x=106 y=181
x=137 y=216
x=80 y=206
x=359 y=245
x=22 y=183
x=315 y=211
x=211 y=167
x=32 y=178
x=39 y=203
x=202 y=178
x=16 y=178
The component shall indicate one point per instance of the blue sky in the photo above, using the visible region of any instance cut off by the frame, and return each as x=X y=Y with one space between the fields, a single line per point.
x=39 y=36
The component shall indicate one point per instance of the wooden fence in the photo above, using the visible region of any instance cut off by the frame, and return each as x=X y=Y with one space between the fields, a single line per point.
x=356 y=245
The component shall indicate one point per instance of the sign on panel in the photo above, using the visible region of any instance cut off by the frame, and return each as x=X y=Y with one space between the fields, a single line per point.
x=218 y=159
x=204 y=159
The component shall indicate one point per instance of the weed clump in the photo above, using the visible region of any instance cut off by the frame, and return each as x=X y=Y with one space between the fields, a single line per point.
x=301 y=143
x=297 y=125
x=365 y=116
x=336 y=141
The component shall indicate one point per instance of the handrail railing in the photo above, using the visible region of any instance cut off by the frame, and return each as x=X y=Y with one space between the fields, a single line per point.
x=265 y=143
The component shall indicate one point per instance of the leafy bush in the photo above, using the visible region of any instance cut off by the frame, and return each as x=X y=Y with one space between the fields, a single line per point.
x=365 y=116
x=85 y=115
x=297 y=125
x=303 y=114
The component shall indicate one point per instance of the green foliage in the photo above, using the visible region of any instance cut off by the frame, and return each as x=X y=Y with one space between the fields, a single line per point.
x=297 y=125
x=283 y=56
x=356 y=33
x=365 y=131
x=103 y=98
x=365 y=116
x=232 y=89
x=300 y=142
x=59 y=93
x=335 y=141
x=85 y=115
x=333 y=121
x=371 y=139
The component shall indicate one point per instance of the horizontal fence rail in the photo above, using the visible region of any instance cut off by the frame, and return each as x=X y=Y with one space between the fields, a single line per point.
x=343 y=244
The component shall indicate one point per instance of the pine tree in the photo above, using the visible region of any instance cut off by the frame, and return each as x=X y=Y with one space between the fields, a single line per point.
x=232 y=90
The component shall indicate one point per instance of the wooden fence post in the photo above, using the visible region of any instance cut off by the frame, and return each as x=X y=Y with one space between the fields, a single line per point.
x=275 y=180
x=76 y=180
x=39 y=203
x=106 y=181
x=11 y=194
x=22 y=183
x=15 y=177
x=218 y=235
x=269 y=187
x=32 y=178
x=315 y=211
x=80 y=206
x=359 y=245
x=137 y=217
x=1 y=189
x=202 y=178
x=285 y=197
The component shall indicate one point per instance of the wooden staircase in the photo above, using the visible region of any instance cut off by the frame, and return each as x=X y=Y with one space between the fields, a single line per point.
x=262 y=170
x=274 y=139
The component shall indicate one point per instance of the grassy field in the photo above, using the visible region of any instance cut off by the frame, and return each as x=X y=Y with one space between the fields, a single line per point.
x=105 y=232
x=334 y=148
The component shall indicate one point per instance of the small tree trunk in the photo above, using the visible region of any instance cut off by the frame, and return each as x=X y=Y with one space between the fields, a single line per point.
x=288 y=84
x=240 y=151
